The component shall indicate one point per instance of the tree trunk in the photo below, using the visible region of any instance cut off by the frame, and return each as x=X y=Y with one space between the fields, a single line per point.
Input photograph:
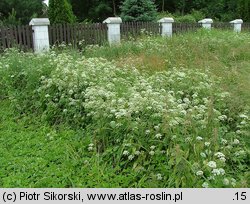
x=114 y=7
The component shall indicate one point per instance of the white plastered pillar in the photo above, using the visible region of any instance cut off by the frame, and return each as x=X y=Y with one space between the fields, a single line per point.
x=114 y=29
x=166 y=27
x=237 y=25
x=206 y=23
x=40 y=34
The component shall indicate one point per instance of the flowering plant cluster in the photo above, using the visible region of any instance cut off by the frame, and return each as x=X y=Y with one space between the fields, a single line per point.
x=171 y=119
x=173 y=128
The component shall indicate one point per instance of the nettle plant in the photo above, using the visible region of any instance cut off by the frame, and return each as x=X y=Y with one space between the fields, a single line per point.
x=173 y=126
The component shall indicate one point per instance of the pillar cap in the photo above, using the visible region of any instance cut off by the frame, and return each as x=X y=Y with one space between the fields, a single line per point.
x=39 y=22
x=206 y=21
x=113 y=20
x=166 y=20
x=237 y=21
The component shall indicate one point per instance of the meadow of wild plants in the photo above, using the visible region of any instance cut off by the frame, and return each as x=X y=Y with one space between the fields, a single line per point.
x=148 y=113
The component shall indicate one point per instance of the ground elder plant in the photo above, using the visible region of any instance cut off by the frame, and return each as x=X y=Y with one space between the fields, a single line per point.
x=169 y=128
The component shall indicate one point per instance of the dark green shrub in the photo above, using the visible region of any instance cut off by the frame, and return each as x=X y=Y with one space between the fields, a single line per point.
x=243 y=8
x=185 y=19
x=138 y=10
x=60 y=11
x=11 y=19
x=198 y=15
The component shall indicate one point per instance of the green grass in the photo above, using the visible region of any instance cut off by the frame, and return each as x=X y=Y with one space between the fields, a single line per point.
x=140 y=114
x=36 y=155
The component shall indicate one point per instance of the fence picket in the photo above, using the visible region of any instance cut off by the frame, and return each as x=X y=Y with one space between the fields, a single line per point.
x=3 y=38
x=27 y=36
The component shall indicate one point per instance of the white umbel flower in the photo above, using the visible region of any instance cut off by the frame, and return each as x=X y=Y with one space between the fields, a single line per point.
x=205 y=185
x=212 y=164
x=125 y=153
x=199 y=173
x=199 y=138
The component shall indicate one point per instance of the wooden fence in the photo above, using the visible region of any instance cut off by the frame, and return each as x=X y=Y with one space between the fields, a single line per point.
x=85 y=34
x=78 y=34
x=246 y=27
x=222 y=25
x=16 y=36
x=179 y=28
x=136 y=29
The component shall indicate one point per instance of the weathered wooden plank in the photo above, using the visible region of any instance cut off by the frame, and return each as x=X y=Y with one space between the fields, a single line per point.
x=28 y=36
x=24 y=37
x=12 y=38
x=61 y=33
x=15 y=35
x=19 y=40
x=68 y=33
x=88 y=35
x=31 y=38
x=64 y=33
x=54 y=33
x=3 y=31
x=1 y=38
x=74 y=34
x=80 y=33
x=50 y=35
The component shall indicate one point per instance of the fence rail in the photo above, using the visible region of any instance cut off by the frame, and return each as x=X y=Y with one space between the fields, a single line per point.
x=76 y=34
x=16 y=36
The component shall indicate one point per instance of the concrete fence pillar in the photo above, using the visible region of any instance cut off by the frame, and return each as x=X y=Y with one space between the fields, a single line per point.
x=206 y=23
x=40 y=34
x=166 y=27
x=237 y=25
x=114 y=29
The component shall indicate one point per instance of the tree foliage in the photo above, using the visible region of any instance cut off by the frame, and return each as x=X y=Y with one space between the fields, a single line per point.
x=16 y=11
x=94 y=10
x=138 y=10
x=224 y=10
x=243 y=8
x=60 y=11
